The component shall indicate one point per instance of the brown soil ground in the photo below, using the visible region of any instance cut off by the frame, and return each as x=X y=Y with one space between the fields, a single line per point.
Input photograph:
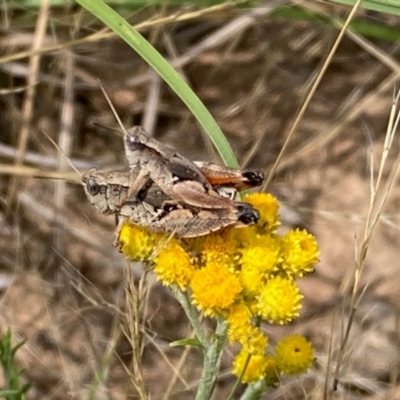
x=62 y=282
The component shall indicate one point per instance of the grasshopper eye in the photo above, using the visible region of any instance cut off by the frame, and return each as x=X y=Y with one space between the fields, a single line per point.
x=133 y=139
x=93 y=187
x=134 y=143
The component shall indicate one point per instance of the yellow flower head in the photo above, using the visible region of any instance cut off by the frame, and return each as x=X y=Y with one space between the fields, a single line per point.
x=242 y=331
x=215 y=288
x=268 y=207
x=294 y=355
x=251 y=279
x=138 y=243
x=254 y=368
x=260 y=257
x=263 y=254
x=255 y=342
x=173 y=265
x=239 y=321
x=299 y=252
x=279 y=301
x=252 y=303
x=218 y=247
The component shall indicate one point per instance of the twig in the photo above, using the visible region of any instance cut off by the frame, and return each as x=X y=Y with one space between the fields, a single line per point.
x=98 y=36
x=65 y=143
x=313 y=89
x=48 y=215
x=43 y=160
x=28 y=105
x=217 y=38
x=373 y=216
x=150 y=111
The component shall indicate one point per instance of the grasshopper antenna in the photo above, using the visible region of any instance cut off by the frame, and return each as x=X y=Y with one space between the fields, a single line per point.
x=31 y=172
x=58 y=148
x=113 y=109
x=110 y=128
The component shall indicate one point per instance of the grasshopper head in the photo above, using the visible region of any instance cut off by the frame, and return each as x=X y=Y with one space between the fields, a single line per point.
x=95 y=186
x=135 y=141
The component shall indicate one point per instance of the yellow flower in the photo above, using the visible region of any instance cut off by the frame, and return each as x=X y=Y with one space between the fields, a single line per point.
x=299 y=252
x=244 y=236
x=254 y=368
x=173 y=265
x=241 y=330
x=251 y=280
x=239 y=322
x=268 y=207
x=255 y=342
x=294 y=355
x=279 y=301
x=263 y=253
x=214 y=288
x=252 y=303
x=137 y=243
x=218 y=247
x=259 y=259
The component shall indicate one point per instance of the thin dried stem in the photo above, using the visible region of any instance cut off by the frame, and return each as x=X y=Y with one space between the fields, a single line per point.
x=98 y=36
x=134 y=318
x=176 y=376
x=28 y=105
x=65 y=141
x=114 y=111
x=373 y=216
x=313 y=89
x=359 y=105
x=150 y=111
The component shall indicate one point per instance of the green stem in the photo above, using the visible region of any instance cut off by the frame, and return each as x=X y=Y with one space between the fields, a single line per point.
x=192 y=315
x=254 y=391
x=212 y=362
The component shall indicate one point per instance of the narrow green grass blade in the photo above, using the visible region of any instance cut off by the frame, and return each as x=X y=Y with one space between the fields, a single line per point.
x=366 y=27
x=164 y=69
x=386 y=6
x=114 y=3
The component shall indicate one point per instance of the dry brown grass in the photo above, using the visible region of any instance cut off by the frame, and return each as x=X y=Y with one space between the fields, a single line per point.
x=64 y=287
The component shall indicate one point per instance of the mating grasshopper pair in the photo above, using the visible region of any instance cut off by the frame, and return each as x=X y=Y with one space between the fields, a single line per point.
x=165 y=191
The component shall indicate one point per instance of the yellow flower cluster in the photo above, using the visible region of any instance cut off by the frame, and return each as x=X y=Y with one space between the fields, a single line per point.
x=293 y=356
x=245 y=275
x=137 y=243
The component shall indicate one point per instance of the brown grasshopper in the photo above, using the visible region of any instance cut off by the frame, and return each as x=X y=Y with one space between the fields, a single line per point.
x=183 y=181
x=164 y=191
x=106 y=190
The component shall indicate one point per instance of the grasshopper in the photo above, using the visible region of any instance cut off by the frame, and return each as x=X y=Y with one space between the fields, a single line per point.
x=183 y=181
x=166 y=192
x=106 y=190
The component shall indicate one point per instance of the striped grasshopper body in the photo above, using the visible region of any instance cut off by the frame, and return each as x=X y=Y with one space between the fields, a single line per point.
x=106 y=190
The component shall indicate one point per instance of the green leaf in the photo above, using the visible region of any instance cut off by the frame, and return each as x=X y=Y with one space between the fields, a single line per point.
x=6 y=392
x=185 y=342
x=26 y=387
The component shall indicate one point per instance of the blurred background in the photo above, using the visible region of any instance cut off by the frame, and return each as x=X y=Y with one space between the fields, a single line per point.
x=252 y=64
